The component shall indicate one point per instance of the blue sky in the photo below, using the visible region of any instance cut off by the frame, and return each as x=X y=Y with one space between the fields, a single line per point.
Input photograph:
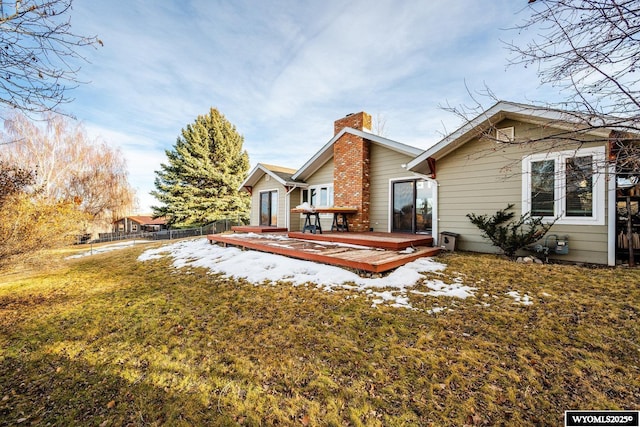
x=283 y=71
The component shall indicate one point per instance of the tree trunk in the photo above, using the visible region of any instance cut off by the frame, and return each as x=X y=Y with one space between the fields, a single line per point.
x=632 y=262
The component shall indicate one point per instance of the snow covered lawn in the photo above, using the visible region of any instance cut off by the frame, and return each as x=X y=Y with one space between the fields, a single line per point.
x=263 y=268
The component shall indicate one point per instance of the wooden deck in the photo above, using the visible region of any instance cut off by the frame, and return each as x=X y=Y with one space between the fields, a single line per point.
x=366 y=258
x=391 y=241
x=257 y=229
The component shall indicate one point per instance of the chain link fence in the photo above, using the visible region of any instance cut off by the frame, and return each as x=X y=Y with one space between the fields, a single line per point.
x=216 y=227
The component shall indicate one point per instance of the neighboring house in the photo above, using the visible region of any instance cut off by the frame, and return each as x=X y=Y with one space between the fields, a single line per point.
x=511 y=154
x=355 y=168
x=136 y=224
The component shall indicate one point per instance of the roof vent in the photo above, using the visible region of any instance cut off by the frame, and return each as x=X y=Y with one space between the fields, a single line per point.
x=505 y=135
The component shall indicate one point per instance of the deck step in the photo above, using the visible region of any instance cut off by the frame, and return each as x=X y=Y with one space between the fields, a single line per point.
x=259 y=229
x=390 y=241
x=365 y=259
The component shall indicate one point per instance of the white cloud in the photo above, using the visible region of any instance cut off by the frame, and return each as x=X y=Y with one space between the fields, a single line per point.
x=283 y=71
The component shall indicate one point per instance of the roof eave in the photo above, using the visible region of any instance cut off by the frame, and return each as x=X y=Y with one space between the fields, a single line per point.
x=297 y=184
x=320 y=158
x=252 y=178
x=496 y=113
x=389 y=143
x=325 y=153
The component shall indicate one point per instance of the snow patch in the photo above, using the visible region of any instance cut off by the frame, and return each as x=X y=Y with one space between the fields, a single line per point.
x=108 y=248
x=518 y=299
x=259 y=268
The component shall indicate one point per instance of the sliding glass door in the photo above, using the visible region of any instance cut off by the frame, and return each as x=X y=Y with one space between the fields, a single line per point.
x=269 y=208
x=412 y=206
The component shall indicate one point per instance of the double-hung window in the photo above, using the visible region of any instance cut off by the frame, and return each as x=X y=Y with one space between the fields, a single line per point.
x=567 y=185
x=319 y=195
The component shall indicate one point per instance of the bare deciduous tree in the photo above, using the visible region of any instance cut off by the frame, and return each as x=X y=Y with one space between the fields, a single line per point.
x=13 y=180
x=38 y=54
x=69 y=166
x=99 y=183
x=379 y=124
x=588 y=48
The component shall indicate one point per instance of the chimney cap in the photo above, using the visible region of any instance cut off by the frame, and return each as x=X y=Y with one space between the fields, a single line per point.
x=359 y=121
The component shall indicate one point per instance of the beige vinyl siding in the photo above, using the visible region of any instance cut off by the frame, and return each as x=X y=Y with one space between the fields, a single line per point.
x=323 y=175
x=385 y=165
x=482 y=177
x=254 y=216
x=261 y=186
x=295 y=221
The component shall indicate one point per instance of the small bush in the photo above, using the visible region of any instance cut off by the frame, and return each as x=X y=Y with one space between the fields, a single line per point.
x=30 y=225
x=508 y=235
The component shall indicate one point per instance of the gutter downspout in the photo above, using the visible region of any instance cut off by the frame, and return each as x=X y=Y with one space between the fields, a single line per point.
x=611 y=217
x=435 y=215
x=287 y=207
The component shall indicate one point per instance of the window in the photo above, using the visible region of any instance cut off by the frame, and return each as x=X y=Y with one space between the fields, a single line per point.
x=543 y=188
x=319 y=195
x=568 y=185
x=134 y=227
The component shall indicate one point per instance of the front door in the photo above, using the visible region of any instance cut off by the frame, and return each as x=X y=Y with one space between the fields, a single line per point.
x=412 y=206
x=269 y=208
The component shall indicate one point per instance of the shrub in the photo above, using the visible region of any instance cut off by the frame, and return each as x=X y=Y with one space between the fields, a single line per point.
x=509 y=235
x=30 y=222
x=30 y=225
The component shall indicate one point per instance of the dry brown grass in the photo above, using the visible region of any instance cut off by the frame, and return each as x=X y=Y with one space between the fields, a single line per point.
x=107 y=340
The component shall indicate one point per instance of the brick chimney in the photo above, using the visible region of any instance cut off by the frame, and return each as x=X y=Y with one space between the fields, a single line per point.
x=360 y=121
x=351 y=160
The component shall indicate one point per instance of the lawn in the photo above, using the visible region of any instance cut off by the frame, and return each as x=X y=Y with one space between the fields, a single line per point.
x=108 y=340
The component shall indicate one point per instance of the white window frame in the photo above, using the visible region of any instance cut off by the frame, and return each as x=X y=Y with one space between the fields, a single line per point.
x=259 y=204
x=434 y=213
x=318 y=188
x=560 y=158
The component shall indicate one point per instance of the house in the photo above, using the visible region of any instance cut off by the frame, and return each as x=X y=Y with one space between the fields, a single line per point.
x=545 y=162
x=140 y=223
x=521 y=154
x=355 y=169
x=272 y=191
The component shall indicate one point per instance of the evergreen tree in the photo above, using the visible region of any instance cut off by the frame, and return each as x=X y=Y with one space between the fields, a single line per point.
x=199 y=184
x=507 y=234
